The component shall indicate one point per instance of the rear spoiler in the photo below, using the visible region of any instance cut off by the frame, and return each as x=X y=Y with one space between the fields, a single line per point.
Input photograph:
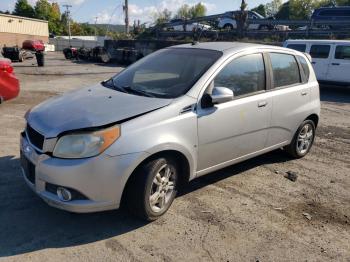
x=308 y=56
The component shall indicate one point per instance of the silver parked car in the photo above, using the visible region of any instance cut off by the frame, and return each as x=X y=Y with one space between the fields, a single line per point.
x=177 y=114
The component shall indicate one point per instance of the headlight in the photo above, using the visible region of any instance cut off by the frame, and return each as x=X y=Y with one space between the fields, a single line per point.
x=86 y=144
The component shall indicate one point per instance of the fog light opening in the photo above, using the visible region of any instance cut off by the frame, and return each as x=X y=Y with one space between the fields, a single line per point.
x=64 y=194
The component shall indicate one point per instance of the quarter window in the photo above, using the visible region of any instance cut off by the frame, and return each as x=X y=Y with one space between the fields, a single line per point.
x=305 y=67
x=285 y=70
x=342 y=52
x=243 y=75
x=320 y=51
x=298 y=47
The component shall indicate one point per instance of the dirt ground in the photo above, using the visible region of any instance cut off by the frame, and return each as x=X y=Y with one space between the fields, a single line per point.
x=247 y=212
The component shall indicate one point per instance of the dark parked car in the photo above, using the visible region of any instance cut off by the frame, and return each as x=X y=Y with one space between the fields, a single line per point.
x=333 y=13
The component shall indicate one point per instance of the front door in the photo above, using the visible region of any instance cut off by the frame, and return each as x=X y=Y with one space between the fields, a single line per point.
x=236 y=128
x=339 y=68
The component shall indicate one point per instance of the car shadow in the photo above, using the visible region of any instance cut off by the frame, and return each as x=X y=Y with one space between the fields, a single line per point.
x=27 y=224
x=335 y=94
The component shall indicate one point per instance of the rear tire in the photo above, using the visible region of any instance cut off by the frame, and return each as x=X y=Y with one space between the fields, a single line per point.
x=303 y=140
x=152 y=189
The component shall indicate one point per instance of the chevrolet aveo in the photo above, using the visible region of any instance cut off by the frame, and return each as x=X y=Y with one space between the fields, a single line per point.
x=175 y=115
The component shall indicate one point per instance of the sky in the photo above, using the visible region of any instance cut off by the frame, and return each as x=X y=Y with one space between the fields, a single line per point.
x=111 y=11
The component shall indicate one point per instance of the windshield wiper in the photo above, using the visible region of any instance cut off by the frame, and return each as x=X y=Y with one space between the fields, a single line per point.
x=136 y=91
x=125 y=89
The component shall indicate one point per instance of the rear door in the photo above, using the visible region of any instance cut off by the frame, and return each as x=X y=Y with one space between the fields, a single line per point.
x=320 y=54
x=290 y=93
x=339 y=68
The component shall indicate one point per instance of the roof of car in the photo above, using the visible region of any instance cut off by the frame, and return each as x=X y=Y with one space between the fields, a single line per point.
x=223 y=46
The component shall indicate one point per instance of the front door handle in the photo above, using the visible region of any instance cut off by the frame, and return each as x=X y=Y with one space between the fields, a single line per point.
x=262 y=104
x=335 y=64
x=304 y=93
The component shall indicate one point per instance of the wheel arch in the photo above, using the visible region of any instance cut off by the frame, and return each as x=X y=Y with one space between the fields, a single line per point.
x=184 y=164
x=314 y=118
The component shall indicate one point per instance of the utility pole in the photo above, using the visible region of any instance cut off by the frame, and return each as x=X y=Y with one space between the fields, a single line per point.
x=126 y=10
x=68 y=18
x=96 y=17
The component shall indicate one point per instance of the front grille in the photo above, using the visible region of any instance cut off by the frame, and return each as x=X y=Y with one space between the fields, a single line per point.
x=35 y=137
x=29 y=169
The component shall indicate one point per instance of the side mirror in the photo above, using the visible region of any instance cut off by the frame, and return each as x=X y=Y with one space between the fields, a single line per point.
x=221 y=95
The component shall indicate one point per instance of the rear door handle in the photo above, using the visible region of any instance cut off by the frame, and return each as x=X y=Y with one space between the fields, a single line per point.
x=262 y=104
x=335 y=64
x=303 y=93
x=313 y=62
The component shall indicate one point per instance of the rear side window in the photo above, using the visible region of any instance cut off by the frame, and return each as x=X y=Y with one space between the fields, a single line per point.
x=342 y=52
x=243 y=75
x=304 y=67
x=298 y=47
x=285 y=69
x=320 y=51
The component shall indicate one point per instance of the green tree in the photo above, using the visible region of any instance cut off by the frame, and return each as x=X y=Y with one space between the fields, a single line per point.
x=43 y=10
x=184 y=12
x=301 y=9
x=23 y=8
x=162 y=17
x=198 y=10
x=190 y=12
x=273 y=7
x=260 y=9
x=50 y=12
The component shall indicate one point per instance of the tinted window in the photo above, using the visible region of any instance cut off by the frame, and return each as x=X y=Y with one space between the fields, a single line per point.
x=304 y=67
x=167 y=73
x=243 y=75
x=285 y=69
x=320 y=51
x=298 y=47
x=335 y=12
x=342 y=52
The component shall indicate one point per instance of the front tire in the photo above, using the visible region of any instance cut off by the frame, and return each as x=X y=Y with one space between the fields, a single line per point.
x=303 y=140
x=152 y=188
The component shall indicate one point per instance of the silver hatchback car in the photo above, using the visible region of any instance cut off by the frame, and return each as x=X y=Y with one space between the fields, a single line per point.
x=175 y=115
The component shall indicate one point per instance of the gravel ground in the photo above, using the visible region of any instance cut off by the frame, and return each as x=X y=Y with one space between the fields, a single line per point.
x=247 y=212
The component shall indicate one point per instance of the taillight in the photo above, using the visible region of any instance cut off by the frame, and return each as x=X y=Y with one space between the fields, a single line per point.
x=6 y=68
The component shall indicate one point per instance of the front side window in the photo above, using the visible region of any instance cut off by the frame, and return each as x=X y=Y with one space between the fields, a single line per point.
x=168 y=73
x=298 y=47
x=243 y=75
x=285 y=69
x=342 y=52
x=320 y=51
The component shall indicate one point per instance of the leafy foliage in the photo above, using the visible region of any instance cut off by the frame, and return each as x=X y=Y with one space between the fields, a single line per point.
x=23 y=8
x=189 y=12
x=260 y=9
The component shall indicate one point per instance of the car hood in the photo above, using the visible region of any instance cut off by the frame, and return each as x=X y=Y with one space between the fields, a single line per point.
x=89 y=107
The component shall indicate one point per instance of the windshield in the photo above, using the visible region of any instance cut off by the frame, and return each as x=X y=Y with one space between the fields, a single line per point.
x=168 y=73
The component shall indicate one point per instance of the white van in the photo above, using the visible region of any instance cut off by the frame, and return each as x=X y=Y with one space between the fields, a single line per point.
x=330 y=58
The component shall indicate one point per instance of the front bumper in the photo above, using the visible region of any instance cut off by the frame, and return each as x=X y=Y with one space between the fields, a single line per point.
x=99 y=179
